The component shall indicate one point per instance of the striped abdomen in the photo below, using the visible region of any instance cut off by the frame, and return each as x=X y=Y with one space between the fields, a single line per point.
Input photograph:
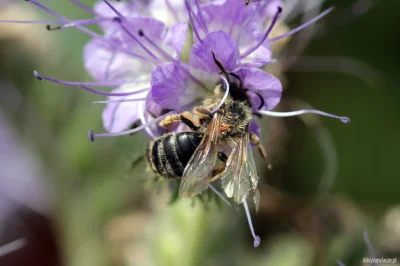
x=169 y=154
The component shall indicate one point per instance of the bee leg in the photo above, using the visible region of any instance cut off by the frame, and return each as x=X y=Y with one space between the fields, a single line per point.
x=256 y=141
x=169 y=122
x=202 y=111
x=216 y=174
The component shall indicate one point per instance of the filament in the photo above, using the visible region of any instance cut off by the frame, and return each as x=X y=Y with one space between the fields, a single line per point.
x=191 y=20
x=76 y=23
x=12 y=246
x=257 y=239
x=83 y=86
x=201 y=18
x=216 y=108
x=92 y=136
x=122 y=100
x=344 y=119
x=304 y=25
x=219 y=194
x=143 y=119
x=172 y=10
x=83 y=6
x=52 y=22
x=89 y=32
x=271 y=26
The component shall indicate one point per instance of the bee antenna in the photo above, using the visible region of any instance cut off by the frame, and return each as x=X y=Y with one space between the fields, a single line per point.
x=237 y=77
x=219 y=65
x=259 y=96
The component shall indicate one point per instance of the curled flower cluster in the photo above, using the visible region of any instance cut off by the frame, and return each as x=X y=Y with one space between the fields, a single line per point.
x=140 y=54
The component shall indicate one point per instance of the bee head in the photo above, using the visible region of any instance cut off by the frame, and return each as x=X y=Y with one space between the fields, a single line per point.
x=236 y=118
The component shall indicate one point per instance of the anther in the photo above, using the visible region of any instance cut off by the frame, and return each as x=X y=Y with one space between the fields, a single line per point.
x=37 y=75
x=117 y=19
x=49 y=28
x=141 y=33
x=345 y=120
x=91 y=135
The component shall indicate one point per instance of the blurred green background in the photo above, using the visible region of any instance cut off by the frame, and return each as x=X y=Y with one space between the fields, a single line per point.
x=104 y=213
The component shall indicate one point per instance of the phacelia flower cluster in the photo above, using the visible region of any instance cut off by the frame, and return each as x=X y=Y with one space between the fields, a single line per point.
x=142 y=54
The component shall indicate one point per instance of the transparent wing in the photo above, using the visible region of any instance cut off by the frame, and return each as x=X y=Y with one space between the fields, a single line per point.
x=201 y=165
x=240 y=175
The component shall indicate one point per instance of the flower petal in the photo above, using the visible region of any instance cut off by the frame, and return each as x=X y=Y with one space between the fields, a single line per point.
x=120 y=116
x=176 y=36
x=172 y=87
x=254 y=127
x=223 y=47
x=127 y=9
x=104 y=63
x=268 y=86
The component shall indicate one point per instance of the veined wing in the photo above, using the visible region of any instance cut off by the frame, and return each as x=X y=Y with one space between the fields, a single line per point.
x=201 y=165
x=240 y=175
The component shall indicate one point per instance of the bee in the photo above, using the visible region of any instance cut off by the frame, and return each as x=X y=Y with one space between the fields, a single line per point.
x=193 y=155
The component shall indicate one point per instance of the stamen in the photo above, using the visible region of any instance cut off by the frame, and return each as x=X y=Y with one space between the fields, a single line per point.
x=219 y=194
x=271 y=26
x=121 y=21
x=12 y=246
x=159 y=49
x=52 y=22
x=92 y=136
x=244 y=26
x=122 y=101
x=306 y=24
x=89 y=32
x=74 y=24
x=170 y=58
x=202 y=21
x=172 y=10
x=344 y=119
x=143 y=119
x=194 y=28
x=84 y=7
x=257 y=239
x=83 y=86
x=94 y=84
x=216 y=108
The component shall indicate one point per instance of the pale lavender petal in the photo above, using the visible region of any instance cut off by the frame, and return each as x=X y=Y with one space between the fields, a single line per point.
x=168 y=11
x=269 y=87
x=259 y=58
x=104 y=63
x=229 y=16
x=152 y=28
x=172 y=87
x=175 y=38
x=120 y=116
x=127 y=9
x=222 y=45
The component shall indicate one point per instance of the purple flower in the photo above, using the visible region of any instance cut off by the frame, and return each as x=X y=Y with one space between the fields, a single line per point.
x=141 y=58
